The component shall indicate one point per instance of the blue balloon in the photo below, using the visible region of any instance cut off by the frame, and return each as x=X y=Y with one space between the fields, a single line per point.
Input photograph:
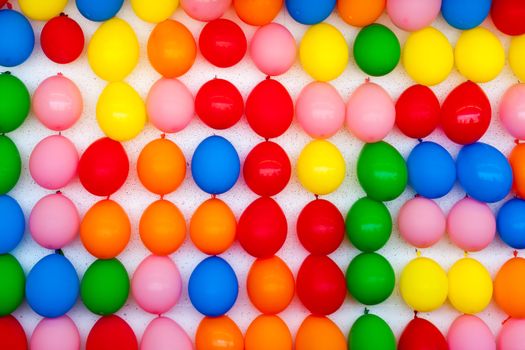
x=17 y=38
x=511 y=223
x=215 y=165
x=484 y=172
x=12 y=224
x=213 y=287
x=52 y=286
x=99 y=10
x=465 y=14
x=310 y=11
x=431 y=170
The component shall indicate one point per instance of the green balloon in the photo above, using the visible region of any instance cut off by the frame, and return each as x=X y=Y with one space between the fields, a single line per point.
x=10 y=164
x=105 y=287
x=12 y=284
x=370 y=278
x=381 y=171
x=368 y=224
x=371 y=332
x=376 y=50
x=14 y=102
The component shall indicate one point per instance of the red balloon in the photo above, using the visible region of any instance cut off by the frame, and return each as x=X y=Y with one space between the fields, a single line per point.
x=62 y=39
x=111 y=333
x=466 y=113
x=219 y=104
x=320 y=227
x=417 y=111
x=12 y=335
x=321 y=285
x=267 y=169
x=222 y=42
x=269 y=109
x=262 y=228
x=104 y=167
x=509 y=16
x=420 y=334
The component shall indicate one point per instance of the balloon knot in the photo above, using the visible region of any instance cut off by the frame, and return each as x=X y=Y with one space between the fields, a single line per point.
x=62 y=14
x=268 y=77
x=7 y=72
x=9 y=6
x=417 y=195
x=367 y=79
x=60 y=133
x=59 y=251
x=517 y=141
x=418 y=252
x=367 y=311
x=161 y=197
x=163 y=136
x=515 y=253
x=420 y=140
x=60 y=74
x=58 y=192
x=505 y=320
x=107 y=198
x=213 y=196
x=266 y=139
x=415 y=314
x=465 y=253
x=316 y=196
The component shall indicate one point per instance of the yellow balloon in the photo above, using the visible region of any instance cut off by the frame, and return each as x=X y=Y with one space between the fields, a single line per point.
x=479 y=55
x=323 y=52
x=121 y=113
x=423 y=284
x=517 y=56
x=321 y=167
x=113 y=51
x=469 y=286
x=154 y=11
x=428 y=57
x=42 y=10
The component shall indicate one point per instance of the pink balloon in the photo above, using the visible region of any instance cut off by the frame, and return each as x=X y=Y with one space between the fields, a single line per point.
x=59 y=333
x=512 y=110
x=165 y=334
x=156 y=284
x=370 y=113
x=170 y=105
x=273 y=49
x=54 y=221
x=57 y=103
x=421 y=222
x=512 y=335
x=412 y=15
x=205 y=10
x=469 y=332
x=471 y=225
x=53 y=162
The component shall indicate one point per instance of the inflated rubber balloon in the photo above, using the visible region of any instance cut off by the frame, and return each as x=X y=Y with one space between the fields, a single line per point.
x=376 y=50
x=465 y=14
x=12 y=285
x=12 y=224
x=10 y=164
x=99 y=10
x=163 y=334
x=368 y=224
x=205 y=10
x=516 y=54
x=412 y=15
x=509 y=288
x=12 y=335
x=55 y=333
x=469 y=332
x=508 y=16
x=111 y=333
x=257 y=12
x=218 y=333
x=371 y=332
x=516 y=160
x=62 y=39
x=360 y=13
x=511 y=223
x=511 y=335
x=417 y=111
x=512 y=111
x=219 y=104
x=257 y=338
x=14 y=102
x=421 y=222
x=154 y=12
x=42 y=11
x=469 y=286
x=222 y=42
x=17 y=38
x=318 y=332
x=421 y=334
x=272 y=48
x=311 y=11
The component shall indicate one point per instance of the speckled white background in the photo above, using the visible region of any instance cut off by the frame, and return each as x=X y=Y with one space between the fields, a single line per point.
x=135 y=198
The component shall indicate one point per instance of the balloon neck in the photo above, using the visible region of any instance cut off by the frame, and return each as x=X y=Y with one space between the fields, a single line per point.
x=505 y=320
x=60 y=74
x=162 y=136
x=515 y=253
x=418 y=252
x=367 y=311
x=367 y=79
x=58 y=192
x=62 y=14
x=8 y=5
x=268 y=77
x=59 y=252
x=161 y=197
x=415 y=314
x=316 y=196
x=517 y=141
x=465 y=253
x=420 y=140
x=7 y=72
x=213 y=196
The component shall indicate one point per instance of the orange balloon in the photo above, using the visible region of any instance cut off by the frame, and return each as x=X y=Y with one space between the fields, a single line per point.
x=171 y=48
x=317 y=332
x=268 y=332
x=270 y=285
x=162 y=227
x=105 y=229
x=257 y=12
x=517 y=162
x=509 y=288
x=360 y=13
x=213 y=227
x=218 y=333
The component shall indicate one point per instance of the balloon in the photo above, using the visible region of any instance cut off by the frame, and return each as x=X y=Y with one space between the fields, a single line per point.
x=205 y=10
x=155 y=12
x=164 y=334
x=222 y=42
x=219 y=104
x=323 y=52
x=484 y=172
x=310 y=11
x=52 y=286
x=321 y=167
x=511 y=223
x=213 y=287
x=465 y=14
x=267 y=169
x=105 y=287
x=370 y=113
x=270 y=285
x=368 y=224
x=371 y=332
x=42 y=11
x=381 y=171
x=162 y=227
x=269 y=119
x=509 y=288
x=421 y=222
x=103 y=167
x=105 y=229
x=53 y=162
x=12 y=224
x=113 y=51
x=169 y=105
x=516 y=160
x=417 y=111
x=257 y=338
x=376 y=50
x=413 y=15
x=360 y=13
x=156 y=285
x=469 y=332
x=431 y=170
x=508 y=16
x=12 y=285
x=111 y=333
x=317 y=332
x=10 y=164
x=213 y=227
x=320 y=285
x=427 y=56
x=257 y=12
x=511 y=335
x=14 y=102
x=516 y=54
x=54 y=221
x=272 y=48
x=12 y=335
x=512 y=110
x=17 y=38
x=99 y=10
x=469 y=286
x=421 y=334
x=215 y=165
x=55 y=334
x=218 y=333
x=423 y=285
x=121 y=113
x=262 y=228
x=320 y=227
x=62 y=39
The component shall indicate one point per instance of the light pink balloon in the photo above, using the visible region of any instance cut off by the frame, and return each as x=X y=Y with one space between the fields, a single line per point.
x=469 y=332
x=165 y=334
x=57 y=103
x=170 y=105
x=370 y=113
x=412 y=15
x=59 y=333
x=205 y=10
x=421 y=222
x=156 y=284
x=512 y=335
x=471 y=225
x=53 y=162
x=273 y=49
x=512 y=110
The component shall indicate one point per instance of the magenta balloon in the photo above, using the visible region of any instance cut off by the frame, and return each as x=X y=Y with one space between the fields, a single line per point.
x=412 y=15
x=421 y=222
x=512 y=111
x=469 y=332
x=512 y=335
x=165 y=334
x=205 y=10
x=273 y=49
x=55 y=334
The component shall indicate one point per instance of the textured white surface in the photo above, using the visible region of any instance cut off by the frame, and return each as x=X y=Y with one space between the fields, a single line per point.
x=135 y=198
